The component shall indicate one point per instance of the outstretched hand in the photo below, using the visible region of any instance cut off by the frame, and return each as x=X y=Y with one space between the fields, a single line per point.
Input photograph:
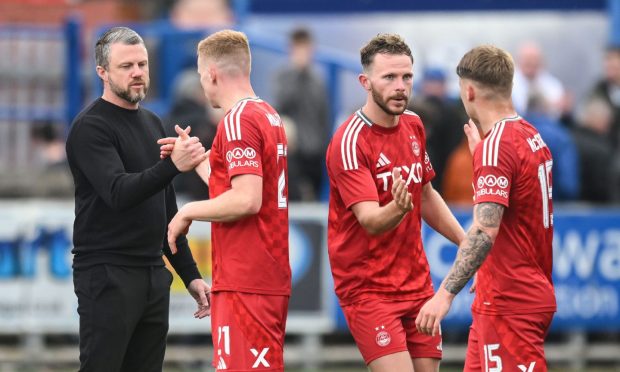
x=473 y=136
x=402 y=196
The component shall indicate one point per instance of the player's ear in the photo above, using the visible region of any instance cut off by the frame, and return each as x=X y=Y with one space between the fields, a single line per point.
x=102 y=73
x=363 y=79
x=470 y=92
x=212 y=74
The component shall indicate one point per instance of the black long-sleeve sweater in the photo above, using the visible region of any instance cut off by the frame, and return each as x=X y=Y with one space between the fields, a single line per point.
x=123 y=196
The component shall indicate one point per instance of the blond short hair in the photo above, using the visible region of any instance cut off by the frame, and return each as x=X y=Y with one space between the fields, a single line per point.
x=229 y=49
x=490 y=67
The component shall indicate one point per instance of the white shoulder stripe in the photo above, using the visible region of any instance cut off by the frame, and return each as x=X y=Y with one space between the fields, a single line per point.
x=343 y=142
x=349 y=142
x=354 y=144
x=490 y=149
x=488 y=145
x=409 y=112
x=499 y=136
x=238 y=120
x=232 y=122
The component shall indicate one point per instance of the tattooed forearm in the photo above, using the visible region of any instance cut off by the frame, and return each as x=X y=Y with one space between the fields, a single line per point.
x=476 y=247
x=489 y=214
x=468 y=260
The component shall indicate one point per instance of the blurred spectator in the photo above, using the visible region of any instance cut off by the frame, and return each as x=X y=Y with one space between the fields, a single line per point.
x=615 y=179
x=53 y=177
x=443 y=119
x=300 y=93
x=299 y=186
x=565 y=171
x=456 y=187
x=197 y=14
x=190 y=107
x=532 y=79
x=595 y=151
x=608 y=88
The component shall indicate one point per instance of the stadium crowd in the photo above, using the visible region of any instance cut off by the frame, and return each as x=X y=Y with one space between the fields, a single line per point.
x=583 y=133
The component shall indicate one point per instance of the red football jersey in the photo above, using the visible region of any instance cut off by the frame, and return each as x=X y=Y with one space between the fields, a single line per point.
x=360 y=159
x=251 y=255
x=512 y=167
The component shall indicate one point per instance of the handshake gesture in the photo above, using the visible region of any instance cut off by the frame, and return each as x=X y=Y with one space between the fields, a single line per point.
x=186 y=152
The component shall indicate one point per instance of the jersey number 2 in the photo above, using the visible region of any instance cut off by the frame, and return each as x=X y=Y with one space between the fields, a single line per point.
x=282 y=202
x=544 y=176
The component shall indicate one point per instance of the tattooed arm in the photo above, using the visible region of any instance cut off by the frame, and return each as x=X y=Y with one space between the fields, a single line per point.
x=476 y=247
x=471 y=254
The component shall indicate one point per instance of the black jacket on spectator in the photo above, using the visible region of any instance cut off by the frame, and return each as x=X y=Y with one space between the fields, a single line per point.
x=595 y=154
x=603 y=90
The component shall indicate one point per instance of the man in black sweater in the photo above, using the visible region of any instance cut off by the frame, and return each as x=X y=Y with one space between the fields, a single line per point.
x=124 y=201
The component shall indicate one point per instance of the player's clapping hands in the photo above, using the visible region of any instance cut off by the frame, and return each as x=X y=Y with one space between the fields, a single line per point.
x=186 y=152
x=400 y=193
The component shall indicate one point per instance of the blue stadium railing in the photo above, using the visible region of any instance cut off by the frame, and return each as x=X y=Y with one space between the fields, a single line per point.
x=69 y=33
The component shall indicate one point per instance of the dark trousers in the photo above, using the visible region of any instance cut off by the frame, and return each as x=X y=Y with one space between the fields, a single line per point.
x=123 y=317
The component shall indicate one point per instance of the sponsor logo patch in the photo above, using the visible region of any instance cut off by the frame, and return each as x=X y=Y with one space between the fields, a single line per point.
x=502 y=182
x=239 y=153
x=492 y=192
x=492 y=181
x=243 y=163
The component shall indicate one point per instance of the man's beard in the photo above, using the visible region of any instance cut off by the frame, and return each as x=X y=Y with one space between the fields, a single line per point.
x=127 y=94
x=383 y=104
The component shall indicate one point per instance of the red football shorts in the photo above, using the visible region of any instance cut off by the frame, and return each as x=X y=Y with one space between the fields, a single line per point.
x=384 y=327
x=509 y=343
x=248 y=331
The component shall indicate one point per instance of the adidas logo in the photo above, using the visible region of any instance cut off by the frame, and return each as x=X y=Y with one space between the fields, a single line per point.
x=221 y=364
x=383 y=161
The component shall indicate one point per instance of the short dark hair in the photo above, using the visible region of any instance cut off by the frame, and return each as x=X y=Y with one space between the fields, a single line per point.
x=613 y=49
x=384 y=44
x=489 y=66
x=123 y=35
x=300 y=35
